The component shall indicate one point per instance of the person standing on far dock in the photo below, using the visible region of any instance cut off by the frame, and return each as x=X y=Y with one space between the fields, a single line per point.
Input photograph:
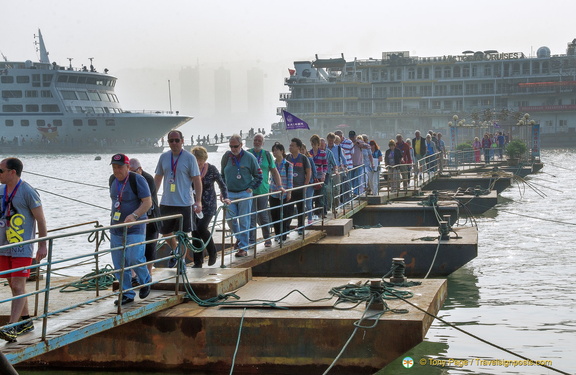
x=20 y=211
x=129 y=206
x=176 y=171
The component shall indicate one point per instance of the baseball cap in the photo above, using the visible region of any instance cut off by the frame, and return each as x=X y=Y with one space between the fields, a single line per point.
x=120 y=159
x=351 y=133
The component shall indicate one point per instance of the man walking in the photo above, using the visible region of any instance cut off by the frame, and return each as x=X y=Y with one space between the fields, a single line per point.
x=129 y=206
x=242 y=175
x=20 y=212
x=177 y=170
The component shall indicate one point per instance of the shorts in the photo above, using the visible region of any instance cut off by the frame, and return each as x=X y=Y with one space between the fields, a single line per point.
x=7 y=263
x=173 y=225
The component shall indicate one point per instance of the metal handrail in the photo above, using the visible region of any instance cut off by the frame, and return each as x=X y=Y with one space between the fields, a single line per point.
x=49 y=262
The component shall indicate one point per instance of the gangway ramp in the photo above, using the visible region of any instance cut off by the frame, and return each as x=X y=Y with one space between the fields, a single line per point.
x=74 y=325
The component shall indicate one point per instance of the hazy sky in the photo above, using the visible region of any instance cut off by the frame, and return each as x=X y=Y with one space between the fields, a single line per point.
x=168 y=35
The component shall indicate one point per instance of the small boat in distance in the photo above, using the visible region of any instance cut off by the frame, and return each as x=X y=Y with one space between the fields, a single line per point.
x=49 y=108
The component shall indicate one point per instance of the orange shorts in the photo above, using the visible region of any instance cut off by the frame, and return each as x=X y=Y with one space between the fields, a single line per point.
x=8 y=263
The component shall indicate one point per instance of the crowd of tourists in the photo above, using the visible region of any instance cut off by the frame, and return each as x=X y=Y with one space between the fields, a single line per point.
x=260 y=189
x=489 y=146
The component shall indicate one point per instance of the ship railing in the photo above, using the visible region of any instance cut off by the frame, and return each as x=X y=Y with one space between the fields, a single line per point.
x=151 y=112
x=95 y=291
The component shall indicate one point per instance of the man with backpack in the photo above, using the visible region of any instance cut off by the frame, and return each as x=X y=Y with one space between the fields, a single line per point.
x=129 y=206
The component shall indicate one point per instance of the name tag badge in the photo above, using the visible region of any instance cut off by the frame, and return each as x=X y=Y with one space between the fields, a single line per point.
x=116 y=216
x=295 y=174
x=172 y=188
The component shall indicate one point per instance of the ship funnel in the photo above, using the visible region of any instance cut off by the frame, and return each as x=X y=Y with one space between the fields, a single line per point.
x=43 y=53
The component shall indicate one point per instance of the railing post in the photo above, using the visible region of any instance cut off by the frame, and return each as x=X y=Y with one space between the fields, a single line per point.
x=223 y=234
x=47 y=290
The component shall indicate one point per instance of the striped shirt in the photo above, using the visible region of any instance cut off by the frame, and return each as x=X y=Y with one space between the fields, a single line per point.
x=348 y=148
x=286 y=171
x=321 y=162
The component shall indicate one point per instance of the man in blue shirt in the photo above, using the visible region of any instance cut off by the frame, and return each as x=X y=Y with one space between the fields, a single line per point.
x=128 y=206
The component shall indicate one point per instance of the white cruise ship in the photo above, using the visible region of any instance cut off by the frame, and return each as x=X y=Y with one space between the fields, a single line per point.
x=46 y=107
x=403 y=93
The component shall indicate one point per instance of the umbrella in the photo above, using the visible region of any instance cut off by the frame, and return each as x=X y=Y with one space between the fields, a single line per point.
x=342 y=126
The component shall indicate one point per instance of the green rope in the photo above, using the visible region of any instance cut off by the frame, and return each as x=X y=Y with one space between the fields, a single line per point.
x=89 y=281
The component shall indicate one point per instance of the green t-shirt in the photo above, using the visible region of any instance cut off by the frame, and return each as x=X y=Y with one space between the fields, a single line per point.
x=266 y=162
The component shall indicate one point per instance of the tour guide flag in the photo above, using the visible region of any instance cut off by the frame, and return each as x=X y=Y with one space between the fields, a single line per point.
x=293 y=122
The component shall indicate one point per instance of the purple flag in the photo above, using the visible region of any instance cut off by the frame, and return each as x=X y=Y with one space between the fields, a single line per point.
x=293 y=122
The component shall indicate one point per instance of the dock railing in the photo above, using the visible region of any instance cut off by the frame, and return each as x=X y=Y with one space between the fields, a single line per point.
x=334 y=196
x=51 y=264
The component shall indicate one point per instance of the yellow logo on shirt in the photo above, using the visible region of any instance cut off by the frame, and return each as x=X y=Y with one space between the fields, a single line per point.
x=15 y=233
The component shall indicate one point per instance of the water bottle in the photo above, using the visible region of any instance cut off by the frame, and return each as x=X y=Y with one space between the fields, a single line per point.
x=200 y=214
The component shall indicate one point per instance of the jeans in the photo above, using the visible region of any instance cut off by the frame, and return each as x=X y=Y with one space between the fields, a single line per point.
x=240 y=224
x=356 y=177
x=133 y=255
x=263 y=218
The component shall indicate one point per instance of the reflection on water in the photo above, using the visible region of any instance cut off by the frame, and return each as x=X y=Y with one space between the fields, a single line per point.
x=518 y=292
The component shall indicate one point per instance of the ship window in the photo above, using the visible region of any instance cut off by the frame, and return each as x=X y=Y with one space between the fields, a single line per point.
x=99 y=110
x=395 y=107
x=50 y=108
x=448 y=104
x=437 y=73
x=447 y=72
x=31 y=93
x=77 y=122
x=89 y=109
x=94 y=95
x=456 y=72
x=9 y=123
x=7 y=79
x=35 y=80
x=72 y=79
x=465 y=71
x=63 y=79
x=100 y=82
x=106 y=110
x=40 y=123
x=12 y=108
x=337 y=107
x=423 y=104
x=104 y=97
x=32 y=108
x=114 y=98
x=78 y=109
x=11 y=93
x=366 y=107
x=487 y=70
x=82 y=95
x=91 y=80
x=22 y=79
x=69 y=95
x=24 y=123
x=46 y=93
x=110 y=122
x=92 y=122
x=435 y=104
x=82 y=80
x=57 y=122
x=411 y=73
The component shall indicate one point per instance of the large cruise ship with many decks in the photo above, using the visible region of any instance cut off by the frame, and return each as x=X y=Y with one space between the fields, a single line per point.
x=45 y=107
x=403 y=93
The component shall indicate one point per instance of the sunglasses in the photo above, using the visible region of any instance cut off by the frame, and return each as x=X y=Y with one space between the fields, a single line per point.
x=174 y=140
x=4 y=170
x=234 y=146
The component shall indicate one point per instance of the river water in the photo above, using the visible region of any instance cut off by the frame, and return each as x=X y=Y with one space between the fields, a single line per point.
x=518 y=293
